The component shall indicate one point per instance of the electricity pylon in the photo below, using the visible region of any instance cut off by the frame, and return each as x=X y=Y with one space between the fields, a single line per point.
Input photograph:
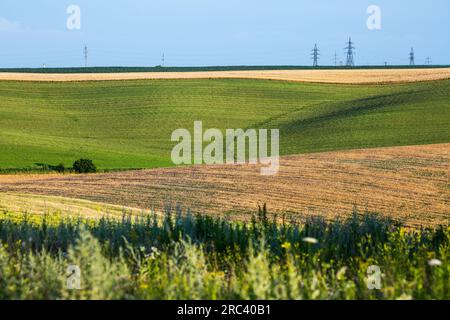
x=85 y=51
x=315 y=56
x=411 y=57
x=350 y=60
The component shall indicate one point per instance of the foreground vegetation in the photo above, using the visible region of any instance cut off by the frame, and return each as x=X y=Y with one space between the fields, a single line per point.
x=128 y=124
x=197 y=257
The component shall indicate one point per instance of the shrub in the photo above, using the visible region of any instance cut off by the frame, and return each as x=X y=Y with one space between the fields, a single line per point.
x=84 y=166
x=60 y=168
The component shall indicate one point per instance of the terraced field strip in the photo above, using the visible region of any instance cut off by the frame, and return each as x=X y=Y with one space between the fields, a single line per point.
x=410 y=184
x=360 y=76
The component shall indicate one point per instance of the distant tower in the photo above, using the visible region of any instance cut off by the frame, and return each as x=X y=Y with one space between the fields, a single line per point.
x=315 y=56
x=335 y=59
x=428 y=61
x=411 y=57
x=350 y=60
x=85 y=51
x=163 y=60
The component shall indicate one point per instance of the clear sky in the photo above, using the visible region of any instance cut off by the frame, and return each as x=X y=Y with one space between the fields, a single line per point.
x=220 y=32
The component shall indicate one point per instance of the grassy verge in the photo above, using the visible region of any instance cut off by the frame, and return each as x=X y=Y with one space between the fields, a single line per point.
x=196 y=257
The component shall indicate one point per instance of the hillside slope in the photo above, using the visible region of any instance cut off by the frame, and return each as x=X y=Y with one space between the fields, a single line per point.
x=128 y=124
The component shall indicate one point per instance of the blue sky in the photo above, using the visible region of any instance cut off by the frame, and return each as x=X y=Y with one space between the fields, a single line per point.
x=213 y=32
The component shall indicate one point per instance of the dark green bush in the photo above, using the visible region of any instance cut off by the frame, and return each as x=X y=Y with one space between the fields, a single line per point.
x=84 y=166
x=60 y=168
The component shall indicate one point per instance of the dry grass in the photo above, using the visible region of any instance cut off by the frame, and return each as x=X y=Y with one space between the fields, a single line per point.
x=359 y=76
x=39 y=204
x=410 y=184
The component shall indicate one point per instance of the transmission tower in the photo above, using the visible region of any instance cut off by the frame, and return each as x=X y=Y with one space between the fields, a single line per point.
x=315 y=56
x=335 y=59
x=428 y=61
x=350 y=60
x=411 y=57
x=85 y=51
x=163 y=60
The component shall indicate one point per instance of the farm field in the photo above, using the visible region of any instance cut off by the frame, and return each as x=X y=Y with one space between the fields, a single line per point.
x=363 y=181
x=355 y=76
x=224 y=159
x=38 y=205
x=128 y=124
x=406 y=184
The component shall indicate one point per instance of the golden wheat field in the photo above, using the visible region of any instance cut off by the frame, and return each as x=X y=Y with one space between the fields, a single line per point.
x=410 y=184
x=360 y=76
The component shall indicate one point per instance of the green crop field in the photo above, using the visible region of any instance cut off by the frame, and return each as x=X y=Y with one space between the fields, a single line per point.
x=128 y=124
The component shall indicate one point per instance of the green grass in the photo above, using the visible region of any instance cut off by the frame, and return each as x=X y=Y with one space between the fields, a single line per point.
x=128 y=124
x=184 y=257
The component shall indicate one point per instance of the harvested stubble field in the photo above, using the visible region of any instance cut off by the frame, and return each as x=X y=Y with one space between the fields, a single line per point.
x=364 y=76
x=40 y=205
x=409 y=184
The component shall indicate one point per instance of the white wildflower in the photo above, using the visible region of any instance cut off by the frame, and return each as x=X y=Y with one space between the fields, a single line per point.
x=154 y=253
x=310 y=240
x=435 y=263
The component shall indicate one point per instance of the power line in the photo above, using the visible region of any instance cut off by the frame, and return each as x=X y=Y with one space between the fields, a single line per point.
x=411 y=57
x=350 y=59
x=315 y=56
x=85 y=51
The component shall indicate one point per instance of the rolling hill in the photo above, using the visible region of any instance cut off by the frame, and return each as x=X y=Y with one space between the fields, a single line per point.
x=128 y=124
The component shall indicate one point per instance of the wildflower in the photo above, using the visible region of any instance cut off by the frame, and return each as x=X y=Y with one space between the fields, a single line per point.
x=143 y=286
x=286 y=245
x=310 y=240
x=435 y=263
x=220 y=274
x=404 y=296
x=340 y=275
x=154 y=253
